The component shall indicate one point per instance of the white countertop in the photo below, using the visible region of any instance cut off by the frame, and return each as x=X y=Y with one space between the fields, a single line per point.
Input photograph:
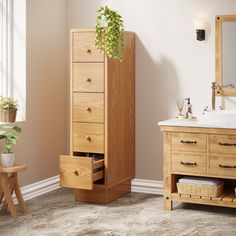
x=194 y=123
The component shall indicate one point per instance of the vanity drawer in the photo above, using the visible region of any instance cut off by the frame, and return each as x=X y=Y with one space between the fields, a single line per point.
x=188 y=163
x=223 y=165
x=80 y=172
x=188 y=142
x=223 y=144
x=84 y=49
x=88 y=137
x=88 y=77
x=88 y=107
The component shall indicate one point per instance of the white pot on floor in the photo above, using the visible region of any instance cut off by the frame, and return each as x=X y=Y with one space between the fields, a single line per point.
x=7 y=159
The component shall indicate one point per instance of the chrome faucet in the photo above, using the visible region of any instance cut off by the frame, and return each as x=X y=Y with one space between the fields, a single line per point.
x=213 y=96
x=214 y=88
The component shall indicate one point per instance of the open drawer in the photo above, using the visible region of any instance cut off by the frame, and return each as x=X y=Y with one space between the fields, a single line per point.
x=80 y=172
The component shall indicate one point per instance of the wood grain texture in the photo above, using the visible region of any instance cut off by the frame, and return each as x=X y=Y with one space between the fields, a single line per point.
x=103 y=195
x=219 y=20
x=199 y=161
x=91 y=72
x=76 y=172
x=217 y=161
x=84 y=49
x=214 y=160
x=88 y=77
x=88 y=107
x=88 y=137
x=218 y=142
x=120 y=114
x=180 y=142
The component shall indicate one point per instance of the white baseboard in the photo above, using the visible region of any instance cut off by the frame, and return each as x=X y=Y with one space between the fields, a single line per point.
x=50 y=184
x=147 y=186
x=40 y=188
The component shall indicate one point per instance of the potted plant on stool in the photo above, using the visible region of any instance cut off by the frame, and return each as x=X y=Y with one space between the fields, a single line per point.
x=8 y=109
x=8 y=156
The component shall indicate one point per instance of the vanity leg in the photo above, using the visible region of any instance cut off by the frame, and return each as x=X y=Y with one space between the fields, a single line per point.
x=168 y=204
x=168 y=179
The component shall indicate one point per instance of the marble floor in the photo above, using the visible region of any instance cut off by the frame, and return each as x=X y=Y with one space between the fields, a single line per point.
x=57 y=214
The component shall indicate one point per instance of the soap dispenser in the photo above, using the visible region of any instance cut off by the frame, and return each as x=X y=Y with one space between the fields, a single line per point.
x=188 y=109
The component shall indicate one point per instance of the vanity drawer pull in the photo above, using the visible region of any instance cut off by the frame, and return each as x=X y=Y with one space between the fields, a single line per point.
x=188 y=142
x=227 y=144
x=76 y=172
x=188 y=163
x=88 y=80
x=226 y=166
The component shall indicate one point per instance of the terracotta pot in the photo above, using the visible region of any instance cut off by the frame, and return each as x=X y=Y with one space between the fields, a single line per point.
x=7 y=159
x=8 y=115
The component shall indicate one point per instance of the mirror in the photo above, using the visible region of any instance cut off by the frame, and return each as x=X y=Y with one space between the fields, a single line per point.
x=225 y=55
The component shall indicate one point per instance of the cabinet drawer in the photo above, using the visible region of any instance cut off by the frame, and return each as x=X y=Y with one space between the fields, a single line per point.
x=223 y=144
x=188 y=163
x=223 y=166
x=80 y=172
x=88 y=137
x=188 y=142
x=88 y=107
x=88 y=77
x=84 y=49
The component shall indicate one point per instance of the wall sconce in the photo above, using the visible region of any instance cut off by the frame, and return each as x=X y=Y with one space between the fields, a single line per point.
x=200 y=27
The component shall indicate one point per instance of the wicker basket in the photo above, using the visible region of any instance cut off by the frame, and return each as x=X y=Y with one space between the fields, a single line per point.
x=200 y=190
x=8 y=115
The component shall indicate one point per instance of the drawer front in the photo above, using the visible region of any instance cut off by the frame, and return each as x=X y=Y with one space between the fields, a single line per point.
x=88 y=137
x=88 y=77
x=84 y=49
x=189 y=142
x=78 y=172
x=88 y=107
x=188 y=163
x=223 y=144
x=223 y=166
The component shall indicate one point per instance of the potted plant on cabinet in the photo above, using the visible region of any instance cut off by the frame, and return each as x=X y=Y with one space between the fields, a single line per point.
x=8 y=109
x=110 y=33
x=8 y=156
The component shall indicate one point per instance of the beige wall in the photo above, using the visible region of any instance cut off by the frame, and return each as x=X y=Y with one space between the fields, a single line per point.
x=170 y=62
x=44 y=132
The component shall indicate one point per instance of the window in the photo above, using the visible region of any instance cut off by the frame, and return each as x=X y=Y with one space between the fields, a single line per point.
x=13 y=52
x=6 y=47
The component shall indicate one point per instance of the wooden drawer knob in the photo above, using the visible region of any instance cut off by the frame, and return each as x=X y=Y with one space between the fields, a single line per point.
x=76 y=172
x=88 y=109
x=88 y=80
x=88 y=138
x=88 y=51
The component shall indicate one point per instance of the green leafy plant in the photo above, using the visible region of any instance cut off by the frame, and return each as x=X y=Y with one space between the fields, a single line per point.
x=110 y=33
x=8 y=103
x=9 y=137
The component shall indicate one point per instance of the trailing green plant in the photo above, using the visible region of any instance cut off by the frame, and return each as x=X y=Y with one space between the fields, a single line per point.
x=8 y=103
x=110 y=33
x=9 y=137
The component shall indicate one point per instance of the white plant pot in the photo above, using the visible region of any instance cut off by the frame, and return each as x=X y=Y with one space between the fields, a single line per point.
x=7 y=159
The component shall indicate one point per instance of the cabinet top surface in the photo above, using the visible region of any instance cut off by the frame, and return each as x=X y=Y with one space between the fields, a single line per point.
x=195 y=123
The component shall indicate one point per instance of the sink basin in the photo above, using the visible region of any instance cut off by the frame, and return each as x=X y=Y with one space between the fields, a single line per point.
x=219 y=117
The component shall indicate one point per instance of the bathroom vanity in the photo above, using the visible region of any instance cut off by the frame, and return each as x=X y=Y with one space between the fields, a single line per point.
x=193 y=149
x=102 y=154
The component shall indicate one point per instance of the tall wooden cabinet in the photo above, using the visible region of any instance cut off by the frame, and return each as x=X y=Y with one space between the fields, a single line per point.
x=101 y=163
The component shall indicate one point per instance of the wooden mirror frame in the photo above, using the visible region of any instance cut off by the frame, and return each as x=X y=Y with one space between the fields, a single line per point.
x=220 y=91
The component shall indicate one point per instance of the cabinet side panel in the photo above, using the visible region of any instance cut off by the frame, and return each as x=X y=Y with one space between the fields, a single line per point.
x=120 y=110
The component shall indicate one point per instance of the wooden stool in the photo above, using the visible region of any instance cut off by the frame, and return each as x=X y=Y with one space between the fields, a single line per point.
x=8 y=184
